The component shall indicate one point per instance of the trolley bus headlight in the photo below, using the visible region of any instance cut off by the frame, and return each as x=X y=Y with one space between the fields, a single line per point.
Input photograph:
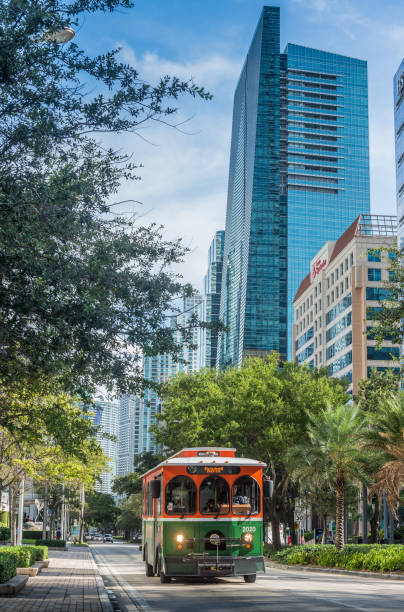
x=248 y=537
x=180 y=538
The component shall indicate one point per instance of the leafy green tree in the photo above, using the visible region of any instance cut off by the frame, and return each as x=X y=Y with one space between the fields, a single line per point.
x=132 y=482
x=334 y=454
x=373 y=391
x=84 y=290
x=389 y=322
x=386 y=435
x=260 y=409
x=101 y=510
x=131 y=514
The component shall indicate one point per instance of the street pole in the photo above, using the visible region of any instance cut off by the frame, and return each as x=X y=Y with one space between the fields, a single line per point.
x=45 y=512
x=364 y=514
x=21 y=511
x=385 y=519
x=63 y=515
x=391 y=527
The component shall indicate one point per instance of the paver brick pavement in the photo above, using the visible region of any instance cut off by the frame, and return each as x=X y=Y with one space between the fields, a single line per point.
x=71 y=583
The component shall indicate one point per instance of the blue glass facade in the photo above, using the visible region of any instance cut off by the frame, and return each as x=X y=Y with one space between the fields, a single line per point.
x=299 y=175
x=399 y=139
x=210 y=305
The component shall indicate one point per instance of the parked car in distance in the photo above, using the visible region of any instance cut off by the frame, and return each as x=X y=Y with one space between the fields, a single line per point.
x=97 y=537
x=108 y=538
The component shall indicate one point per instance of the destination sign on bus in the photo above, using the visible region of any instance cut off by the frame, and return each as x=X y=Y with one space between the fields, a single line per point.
x=213 y=469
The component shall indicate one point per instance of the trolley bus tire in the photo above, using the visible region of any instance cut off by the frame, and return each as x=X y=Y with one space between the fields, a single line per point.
x=149 y=570
x=163 y=578
x=250 y=578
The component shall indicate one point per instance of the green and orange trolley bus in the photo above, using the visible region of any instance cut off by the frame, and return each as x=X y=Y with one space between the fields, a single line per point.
x=202 y=515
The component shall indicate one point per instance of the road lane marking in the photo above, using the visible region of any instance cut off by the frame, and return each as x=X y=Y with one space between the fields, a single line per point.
x=138 y=599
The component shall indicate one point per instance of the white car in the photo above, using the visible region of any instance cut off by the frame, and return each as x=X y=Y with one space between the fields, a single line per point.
x=97 y=537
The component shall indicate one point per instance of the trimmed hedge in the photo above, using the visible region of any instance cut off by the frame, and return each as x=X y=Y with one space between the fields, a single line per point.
x=26 y=554
x=8 y=564
x=41 y=552
x=32 y=535
x=374 y=557
x=4 y=533
x=55 y=543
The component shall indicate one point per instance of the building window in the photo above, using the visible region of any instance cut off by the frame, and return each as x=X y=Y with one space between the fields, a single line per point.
x=346 y=264
x=311 y=300
x=339 y=345
x=305 y=338
x=340 y=307
x=351 y=259
x=332 y=278
x=374 y=255
x=341 y=269
x=374 y=274
x=336 y=293
x=340 y=364
x=328 y=283
x=385 y=353
x=378 y=293
x=346 y=283
x=307 y=352
x=346 y=321
x=336 y=274
x=319 y=287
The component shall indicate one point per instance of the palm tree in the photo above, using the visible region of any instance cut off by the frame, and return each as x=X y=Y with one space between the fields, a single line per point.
x=386 y=435
x=333 y=455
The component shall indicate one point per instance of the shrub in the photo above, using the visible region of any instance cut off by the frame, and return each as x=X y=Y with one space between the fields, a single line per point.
x=4 y=532
x=41 y=552
x=374 y=557
x=32 y=535
x=25 y=554
x=8 y=564
x=55 y=543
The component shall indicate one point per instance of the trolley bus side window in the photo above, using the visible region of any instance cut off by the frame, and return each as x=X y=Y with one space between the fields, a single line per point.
x=149 y=500
x=180 y=497
x=246 y=496
x=214 y=496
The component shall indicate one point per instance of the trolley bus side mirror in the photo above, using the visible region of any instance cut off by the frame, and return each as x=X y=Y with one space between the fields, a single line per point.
x=155 y=488
x=268 y=488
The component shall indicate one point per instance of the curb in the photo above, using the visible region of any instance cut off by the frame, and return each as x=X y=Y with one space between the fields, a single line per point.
x=331 y=570
x=102 y=591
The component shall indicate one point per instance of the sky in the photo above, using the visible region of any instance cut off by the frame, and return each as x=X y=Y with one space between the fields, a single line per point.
x=184 y=171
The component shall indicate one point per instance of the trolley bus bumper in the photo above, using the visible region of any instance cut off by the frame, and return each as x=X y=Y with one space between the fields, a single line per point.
x=211 y=566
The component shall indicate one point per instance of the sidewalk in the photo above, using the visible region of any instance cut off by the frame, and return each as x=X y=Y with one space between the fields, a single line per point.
x=71 y=583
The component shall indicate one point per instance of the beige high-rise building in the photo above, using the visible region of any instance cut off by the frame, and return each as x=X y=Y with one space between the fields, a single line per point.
x=335 y=305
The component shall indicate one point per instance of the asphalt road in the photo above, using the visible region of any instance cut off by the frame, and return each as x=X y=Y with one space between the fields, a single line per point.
x=276 y=591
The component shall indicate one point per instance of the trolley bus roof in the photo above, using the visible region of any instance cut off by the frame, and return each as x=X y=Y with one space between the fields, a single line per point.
x=212 y=461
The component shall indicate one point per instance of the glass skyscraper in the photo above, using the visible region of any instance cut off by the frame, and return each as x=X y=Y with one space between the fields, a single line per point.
x=299 y=175
x=399 y=138
x=210 y=305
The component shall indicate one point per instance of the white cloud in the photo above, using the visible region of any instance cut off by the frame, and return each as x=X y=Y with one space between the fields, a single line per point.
x=184 y=176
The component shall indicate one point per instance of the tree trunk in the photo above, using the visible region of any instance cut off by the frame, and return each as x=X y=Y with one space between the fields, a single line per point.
x=364 y=514
x=324 y=522
x=45 y=512
x=81 y=517
x=21 y=511
x=276 y=536
x=63 y=515
x=374 y=524
x=339 y=514
x=12 y=504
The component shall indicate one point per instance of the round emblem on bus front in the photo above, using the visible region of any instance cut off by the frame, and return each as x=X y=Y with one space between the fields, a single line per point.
x=214 y=539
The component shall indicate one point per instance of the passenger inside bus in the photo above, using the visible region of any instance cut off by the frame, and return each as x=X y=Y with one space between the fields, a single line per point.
x=245 y=496
x=180 y=496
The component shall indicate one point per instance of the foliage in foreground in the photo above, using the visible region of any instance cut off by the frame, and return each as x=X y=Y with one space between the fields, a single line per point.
x=53 y=543
x=373 y=557
x=8 y=564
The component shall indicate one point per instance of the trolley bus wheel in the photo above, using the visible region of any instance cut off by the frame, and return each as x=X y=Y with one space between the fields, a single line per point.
x=250 y=578
x=149 y=570
x=163 y=578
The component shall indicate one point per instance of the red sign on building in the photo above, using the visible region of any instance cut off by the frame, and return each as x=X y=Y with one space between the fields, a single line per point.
x=318 y=266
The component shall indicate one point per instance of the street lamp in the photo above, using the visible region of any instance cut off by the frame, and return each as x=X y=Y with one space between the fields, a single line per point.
x=60 y=36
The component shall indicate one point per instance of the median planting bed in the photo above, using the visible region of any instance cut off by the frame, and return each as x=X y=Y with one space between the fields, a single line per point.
x=370 y=557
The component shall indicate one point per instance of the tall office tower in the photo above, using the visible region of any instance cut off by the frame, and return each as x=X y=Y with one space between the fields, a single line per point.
x=160 y=368
x=299 y=175
x=107 y=417
x=130 y=407
x=210 y=305
x=399 y=138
